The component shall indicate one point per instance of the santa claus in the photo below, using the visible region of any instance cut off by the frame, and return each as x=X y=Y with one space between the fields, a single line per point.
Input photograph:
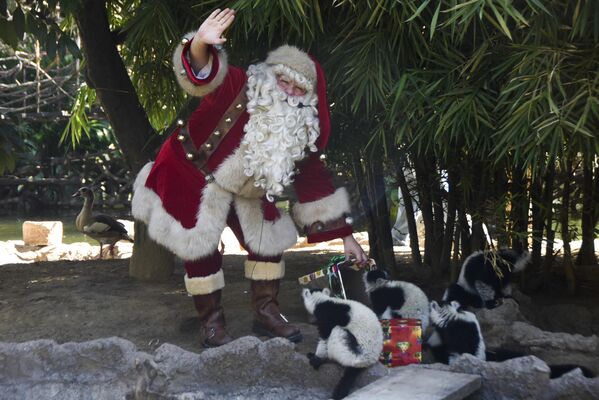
x=253 y=134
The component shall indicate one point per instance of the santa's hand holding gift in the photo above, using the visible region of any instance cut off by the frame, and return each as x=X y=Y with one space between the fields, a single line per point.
x=254 y=133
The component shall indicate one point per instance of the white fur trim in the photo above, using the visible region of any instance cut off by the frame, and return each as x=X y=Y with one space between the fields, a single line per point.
x=326 y=209
x=264 y=271
x=206 y=284
x=294 y=58
x=267 y=238
x=186 y=83
x=231 y=177
x=188 y=244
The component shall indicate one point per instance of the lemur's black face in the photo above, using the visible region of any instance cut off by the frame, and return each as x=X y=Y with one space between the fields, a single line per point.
x=372 y=276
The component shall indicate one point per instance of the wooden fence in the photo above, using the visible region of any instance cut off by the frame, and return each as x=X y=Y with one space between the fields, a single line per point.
x=48 y=185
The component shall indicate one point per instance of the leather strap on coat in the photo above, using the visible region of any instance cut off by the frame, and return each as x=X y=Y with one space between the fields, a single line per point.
x=199 y=157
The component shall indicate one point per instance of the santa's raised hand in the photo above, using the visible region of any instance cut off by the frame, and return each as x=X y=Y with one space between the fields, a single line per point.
x=211 y=30
x=210 y=33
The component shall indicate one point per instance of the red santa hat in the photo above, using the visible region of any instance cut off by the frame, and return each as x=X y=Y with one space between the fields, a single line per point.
x=309 y=68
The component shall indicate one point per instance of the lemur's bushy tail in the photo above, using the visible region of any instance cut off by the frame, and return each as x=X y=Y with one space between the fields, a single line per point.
x=518 y=260
x=556 y=370
x=346 y=382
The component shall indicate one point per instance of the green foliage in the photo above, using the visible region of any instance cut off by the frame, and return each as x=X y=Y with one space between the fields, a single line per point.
x=10 y=146
x=467 y=83
x=503 y=79
x=79 y=123
x=41 y=19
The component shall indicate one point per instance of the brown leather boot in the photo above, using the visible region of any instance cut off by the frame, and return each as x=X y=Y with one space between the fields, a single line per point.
x=212 y=318
x=268 y=320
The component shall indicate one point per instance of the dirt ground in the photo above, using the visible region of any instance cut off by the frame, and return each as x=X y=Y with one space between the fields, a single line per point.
x=84 y=300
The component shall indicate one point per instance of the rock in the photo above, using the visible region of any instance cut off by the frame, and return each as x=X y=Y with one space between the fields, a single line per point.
x=568 y=318
x=505 y=327
x=419 y=384
x=99 y=369
x=113 y=368
x=246 y=361
x=14 y=252
x=520 y=378
x=572 y=385
x=505 y=314
x=42 y=233
x=10 y=255
x=557 y=348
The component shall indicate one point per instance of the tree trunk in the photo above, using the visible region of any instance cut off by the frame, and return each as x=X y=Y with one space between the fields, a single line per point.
x=586 y=254
x=380 y=211
x=149 y=261
x=519 y=211
x=109 y=77
x=596 y=195
x=438 y=218
x=465 y=236
x=478 y=239
x=412 y=229
x=548 y=220
x=448 y=236
x=423 y=180
x=377 y=214
x=537 y=232
x=564 y=220
x=362 y=192
x=455 y=263
x=501 y=182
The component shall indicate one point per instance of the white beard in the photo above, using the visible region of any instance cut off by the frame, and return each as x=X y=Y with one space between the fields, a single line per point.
x=277 y=132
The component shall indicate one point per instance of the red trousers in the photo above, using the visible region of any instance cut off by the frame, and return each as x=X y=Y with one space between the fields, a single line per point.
x=212 y=264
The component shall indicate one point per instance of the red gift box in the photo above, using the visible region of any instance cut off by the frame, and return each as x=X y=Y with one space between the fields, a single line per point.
x=402 y=342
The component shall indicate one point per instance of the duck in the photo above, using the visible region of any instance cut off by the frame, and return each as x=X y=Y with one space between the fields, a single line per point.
x=101 y=227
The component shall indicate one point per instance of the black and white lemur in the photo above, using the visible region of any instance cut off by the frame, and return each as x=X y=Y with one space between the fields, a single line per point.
x=395 y=299
x=457 y=332
x=350 y=334
x=480 y=285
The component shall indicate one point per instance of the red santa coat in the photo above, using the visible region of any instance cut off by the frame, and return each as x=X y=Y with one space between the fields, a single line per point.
x=187 y=215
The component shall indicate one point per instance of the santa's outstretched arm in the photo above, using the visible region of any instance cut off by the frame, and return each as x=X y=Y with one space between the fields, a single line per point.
x=199 y=62
x=209 y=33
x=323 y=210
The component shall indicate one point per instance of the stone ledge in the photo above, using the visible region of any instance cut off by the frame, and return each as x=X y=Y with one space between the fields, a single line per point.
x=409 y=383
